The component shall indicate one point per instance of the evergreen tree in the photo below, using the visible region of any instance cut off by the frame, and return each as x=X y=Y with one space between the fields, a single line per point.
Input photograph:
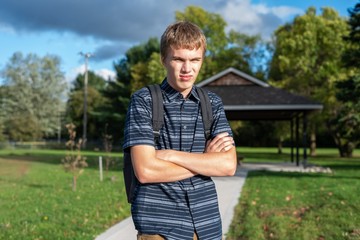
x=96 y=102
x=345 y=121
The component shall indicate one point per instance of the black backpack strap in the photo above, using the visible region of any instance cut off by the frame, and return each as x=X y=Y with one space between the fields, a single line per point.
x=157 y=109
x=206 y=111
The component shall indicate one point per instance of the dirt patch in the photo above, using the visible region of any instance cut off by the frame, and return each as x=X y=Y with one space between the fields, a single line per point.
x=14 y=167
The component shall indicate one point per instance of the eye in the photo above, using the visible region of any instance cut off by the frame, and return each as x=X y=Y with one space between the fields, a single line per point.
x=177 y=60
x=195 y=60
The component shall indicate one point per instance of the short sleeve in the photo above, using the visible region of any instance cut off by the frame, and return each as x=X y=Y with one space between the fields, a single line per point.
x=138 y=125
x=220 y=123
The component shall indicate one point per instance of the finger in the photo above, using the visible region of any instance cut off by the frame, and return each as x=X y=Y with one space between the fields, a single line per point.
x=221 y=142
x=226 y=144
x=220 y=135
x=227 y=148
x=219 y=139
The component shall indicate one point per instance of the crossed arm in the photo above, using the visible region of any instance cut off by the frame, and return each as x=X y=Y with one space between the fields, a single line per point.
x=151 y=166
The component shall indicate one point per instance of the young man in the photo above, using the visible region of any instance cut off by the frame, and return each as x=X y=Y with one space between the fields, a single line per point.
x=176 y=198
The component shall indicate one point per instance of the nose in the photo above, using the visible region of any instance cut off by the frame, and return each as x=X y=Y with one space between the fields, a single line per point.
x=186 y=67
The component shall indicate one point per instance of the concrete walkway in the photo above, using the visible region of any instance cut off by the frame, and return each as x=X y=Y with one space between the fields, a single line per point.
x=228 y=189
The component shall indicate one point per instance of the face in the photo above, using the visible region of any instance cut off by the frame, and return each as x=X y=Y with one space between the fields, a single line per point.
x=183 y=66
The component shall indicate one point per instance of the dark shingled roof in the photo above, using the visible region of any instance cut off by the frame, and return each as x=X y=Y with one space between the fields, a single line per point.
x=247 y=98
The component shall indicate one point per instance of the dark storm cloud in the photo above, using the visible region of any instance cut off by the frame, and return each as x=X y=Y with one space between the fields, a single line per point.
x=124 y=23
x=115 y=20
x=110 y=51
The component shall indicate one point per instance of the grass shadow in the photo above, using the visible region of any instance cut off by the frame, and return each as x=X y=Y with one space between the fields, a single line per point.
x=264 y=173
x=92 y=160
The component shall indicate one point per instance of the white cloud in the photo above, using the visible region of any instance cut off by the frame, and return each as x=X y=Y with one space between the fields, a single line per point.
x=106 y=73
x=71 y=75
x=285 y=12
x=248 y=18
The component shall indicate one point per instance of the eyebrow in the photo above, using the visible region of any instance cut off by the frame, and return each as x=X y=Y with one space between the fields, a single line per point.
x=180 y=58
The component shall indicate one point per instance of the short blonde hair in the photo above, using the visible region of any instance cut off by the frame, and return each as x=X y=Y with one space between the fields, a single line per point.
x=182 y=34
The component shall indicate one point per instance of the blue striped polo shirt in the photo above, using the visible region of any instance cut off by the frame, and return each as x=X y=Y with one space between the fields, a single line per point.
x=175 y=210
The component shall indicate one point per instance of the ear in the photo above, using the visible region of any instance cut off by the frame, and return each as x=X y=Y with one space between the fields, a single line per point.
x=162 y=60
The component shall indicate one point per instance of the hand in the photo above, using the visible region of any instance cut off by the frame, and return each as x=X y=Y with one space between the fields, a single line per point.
x=221 y=143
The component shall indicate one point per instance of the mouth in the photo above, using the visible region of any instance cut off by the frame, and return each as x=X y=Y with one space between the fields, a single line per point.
x=185 y=77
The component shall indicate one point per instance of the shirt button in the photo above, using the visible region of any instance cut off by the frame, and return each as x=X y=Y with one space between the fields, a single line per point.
x=184 y=127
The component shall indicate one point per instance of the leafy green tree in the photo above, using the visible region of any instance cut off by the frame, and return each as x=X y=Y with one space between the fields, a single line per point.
x=212 y=24
x=234 y=49
x=250 y=54
x=118 y=94
x=96 y=101
x=2 y=113
x=345 y=121
x=351 y=56
x=156 y=71
x=35 y=90
x=307 y=59
x=140 y=66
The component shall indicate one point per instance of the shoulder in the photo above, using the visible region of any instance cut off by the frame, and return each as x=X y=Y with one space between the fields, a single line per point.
x=142 y=93
x=142 y=96
x=214 y=98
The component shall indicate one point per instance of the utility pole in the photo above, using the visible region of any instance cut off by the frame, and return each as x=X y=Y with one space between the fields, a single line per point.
x=86 y=56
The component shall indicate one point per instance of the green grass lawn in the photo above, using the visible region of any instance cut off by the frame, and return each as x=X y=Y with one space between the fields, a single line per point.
x=299 y=205
x=37 y=201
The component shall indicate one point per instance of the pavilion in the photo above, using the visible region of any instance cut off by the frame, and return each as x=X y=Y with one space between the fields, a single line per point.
x=248 y=98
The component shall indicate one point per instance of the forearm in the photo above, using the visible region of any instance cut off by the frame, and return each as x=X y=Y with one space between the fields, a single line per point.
x=150 y=169
x=208 y=164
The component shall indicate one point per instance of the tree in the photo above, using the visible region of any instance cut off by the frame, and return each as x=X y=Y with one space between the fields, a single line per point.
x=345 y=121
x=307 y=59
x=118 y=94
x=351 y=56
x=96 y=102
x=212 y=24
x=251 y=54
x=213 y=27
x=35 y=90
x=2 y=113
x=74 y=162
x=224 y=50
x=140 y=66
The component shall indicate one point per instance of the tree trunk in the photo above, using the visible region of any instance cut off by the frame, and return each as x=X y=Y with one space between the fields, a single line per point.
x=280 y=146
x=346 y=150
x=74 y=183
x=312 y=144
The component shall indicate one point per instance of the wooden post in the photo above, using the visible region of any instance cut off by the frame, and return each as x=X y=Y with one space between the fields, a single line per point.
x=101 y=168
x=297 y=140
x=292 y=139
x=304 y=140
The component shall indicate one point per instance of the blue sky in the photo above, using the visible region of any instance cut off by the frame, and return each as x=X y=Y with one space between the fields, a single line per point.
x=108 y=28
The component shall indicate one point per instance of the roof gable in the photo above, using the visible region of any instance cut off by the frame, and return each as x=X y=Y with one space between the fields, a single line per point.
x=230 y=77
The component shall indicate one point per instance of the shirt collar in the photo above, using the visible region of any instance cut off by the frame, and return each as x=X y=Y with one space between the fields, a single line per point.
x=172 y=94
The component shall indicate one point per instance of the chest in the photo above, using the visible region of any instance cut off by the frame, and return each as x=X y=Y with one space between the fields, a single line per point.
x=183 y=128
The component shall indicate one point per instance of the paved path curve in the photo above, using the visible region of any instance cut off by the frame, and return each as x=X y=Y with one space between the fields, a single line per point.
x=228 y=189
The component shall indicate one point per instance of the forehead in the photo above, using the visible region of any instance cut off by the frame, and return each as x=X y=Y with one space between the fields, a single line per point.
x=185 y=53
